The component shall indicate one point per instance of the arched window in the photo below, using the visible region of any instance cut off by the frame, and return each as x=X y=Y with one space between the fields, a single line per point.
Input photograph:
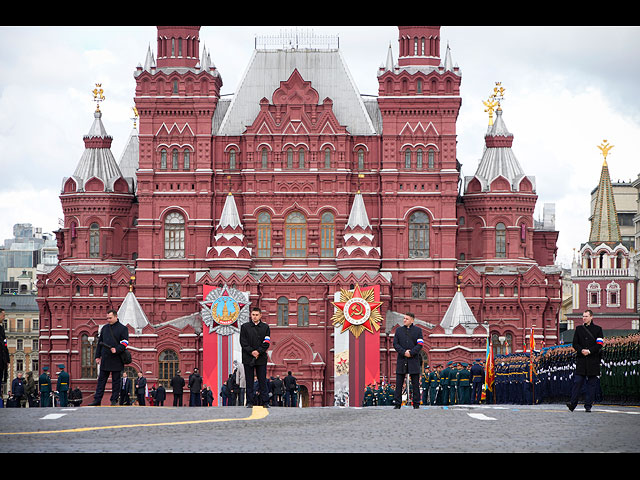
x=418 y=235
x=419 y=86
x=301 y=158
x=327 y=231
x=502 y=345
x=94 y=240
x=303 y=312
x=283 y=312
x=167 y=366
x=264 y=235
x=232 y=159
x=174 y=236
x=327 y=158
x=290 y=158
x=187 y=159
x=419 y=159
x=407 y=158
x=431 y=162
x=295 y=235
x=360 y=159
x=265 y=157
x=163 y=159
x=593 y=294
x=501 y=240
x=87 y=360
x=174 y=159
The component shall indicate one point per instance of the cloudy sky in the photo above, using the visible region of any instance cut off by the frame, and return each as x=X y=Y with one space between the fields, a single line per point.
x=566 y=90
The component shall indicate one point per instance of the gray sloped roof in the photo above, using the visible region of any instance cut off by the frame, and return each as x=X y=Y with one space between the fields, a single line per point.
x=499 y=161
x=325 y=69
x=97 y=162
x=459 y=313
x=129 y=160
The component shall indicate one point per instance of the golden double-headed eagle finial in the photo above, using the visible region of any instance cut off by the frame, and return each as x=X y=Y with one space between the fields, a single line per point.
x=98 y=95
x=604 y=148
x=493 y=102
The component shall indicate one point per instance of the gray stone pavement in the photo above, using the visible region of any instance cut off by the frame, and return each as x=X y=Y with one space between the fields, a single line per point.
x=479 y=428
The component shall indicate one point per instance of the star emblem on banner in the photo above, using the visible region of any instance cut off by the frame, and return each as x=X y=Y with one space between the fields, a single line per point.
x=357 y=311
x=224 y=310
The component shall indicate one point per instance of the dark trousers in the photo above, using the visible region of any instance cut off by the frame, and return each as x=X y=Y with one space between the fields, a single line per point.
x=177 y=399
x=415 y=387
x=259 y=371
x=195 y=400
x=477 y=392
x=591 y=383
x=115 y=384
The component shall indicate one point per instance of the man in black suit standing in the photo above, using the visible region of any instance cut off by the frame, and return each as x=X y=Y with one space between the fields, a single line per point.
x=177 y=384
x=112 y=341
x=141 y=389
x=125 y=390
x=588 y=340
x=408 y=342
x=255 y=339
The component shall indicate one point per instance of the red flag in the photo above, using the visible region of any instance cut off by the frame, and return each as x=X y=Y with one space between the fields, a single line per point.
x=532 y=346
x=490 y=373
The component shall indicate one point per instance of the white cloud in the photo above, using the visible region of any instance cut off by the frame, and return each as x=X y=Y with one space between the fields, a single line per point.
x=563 y=97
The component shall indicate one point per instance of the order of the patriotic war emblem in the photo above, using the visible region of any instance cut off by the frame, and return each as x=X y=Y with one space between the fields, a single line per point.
x=357 y=311
x=224 y=310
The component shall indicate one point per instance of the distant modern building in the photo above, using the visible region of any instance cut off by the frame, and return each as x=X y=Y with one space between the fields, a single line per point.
x=291 y=189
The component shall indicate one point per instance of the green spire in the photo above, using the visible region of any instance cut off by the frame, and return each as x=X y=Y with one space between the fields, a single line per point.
x=604 y=224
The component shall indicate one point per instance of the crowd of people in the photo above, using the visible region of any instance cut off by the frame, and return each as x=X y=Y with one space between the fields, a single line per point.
x=546 y=376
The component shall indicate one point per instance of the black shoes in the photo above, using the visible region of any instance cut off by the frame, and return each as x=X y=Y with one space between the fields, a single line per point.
x=95 y=403
x=571 y=407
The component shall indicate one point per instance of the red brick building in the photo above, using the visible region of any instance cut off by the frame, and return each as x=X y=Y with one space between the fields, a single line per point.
x=291 y=189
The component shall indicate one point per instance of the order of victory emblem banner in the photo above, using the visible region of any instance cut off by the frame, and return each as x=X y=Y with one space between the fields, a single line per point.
x=224 y=310
x=357 y=311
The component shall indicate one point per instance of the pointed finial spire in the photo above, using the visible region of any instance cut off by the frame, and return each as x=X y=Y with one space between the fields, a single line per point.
x=604 y=148
x=493 y=102
x=98 y=95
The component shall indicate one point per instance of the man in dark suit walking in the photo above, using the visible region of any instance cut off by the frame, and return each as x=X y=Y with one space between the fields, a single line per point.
x=408 y=342
x=588 y=340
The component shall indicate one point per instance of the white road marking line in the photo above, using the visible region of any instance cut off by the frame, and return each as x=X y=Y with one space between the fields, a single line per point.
x=53 y=416
x=480 y=416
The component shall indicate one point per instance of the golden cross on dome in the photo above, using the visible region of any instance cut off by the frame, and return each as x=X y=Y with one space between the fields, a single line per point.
x=98 y=95
x=604 y=148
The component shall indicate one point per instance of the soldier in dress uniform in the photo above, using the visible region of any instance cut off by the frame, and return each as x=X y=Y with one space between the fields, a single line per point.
x=464 y=384
x=477 y=380
x=434 y=383
x=44 y=382
x=62 y=385
x=444 y=384
x=453 y=383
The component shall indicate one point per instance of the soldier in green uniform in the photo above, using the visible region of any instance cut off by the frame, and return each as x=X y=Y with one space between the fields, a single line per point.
x=424 y=386
x=62 y=386
x=464 y=385
x=44 y=382
x=444 y=384
x=434 y=383
x=453 y=383
x=389 y=394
